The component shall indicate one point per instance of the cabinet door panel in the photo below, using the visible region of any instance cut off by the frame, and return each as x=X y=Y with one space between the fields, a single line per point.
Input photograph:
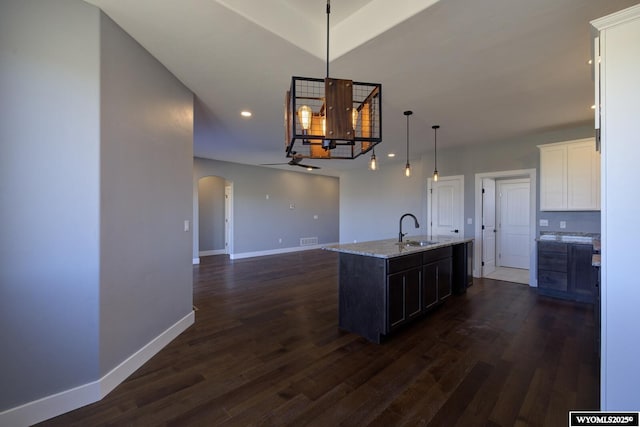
x=396 y=296
x=444 y=279
x=552 y=280
x=429 y=285
x=553 y=178
x=583 y=178
x=413 y=294
x=580 y=270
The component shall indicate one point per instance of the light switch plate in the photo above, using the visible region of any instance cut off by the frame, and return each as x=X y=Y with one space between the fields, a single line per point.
x=544 y=223
x=563 y=224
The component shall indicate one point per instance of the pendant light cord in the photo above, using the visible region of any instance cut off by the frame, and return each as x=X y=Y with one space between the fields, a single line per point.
x=328 y=13
x=407 y=114
x=435 y=147
x=407 y=137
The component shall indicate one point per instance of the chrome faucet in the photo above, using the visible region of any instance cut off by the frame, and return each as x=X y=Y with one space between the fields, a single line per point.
x=401 y=234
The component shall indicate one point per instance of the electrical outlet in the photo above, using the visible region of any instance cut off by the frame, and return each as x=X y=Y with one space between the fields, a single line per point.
x=280 y=240
x=563 y=224
x=469 y=221
x=544 y=223
x=187 y=225
x=292 y=206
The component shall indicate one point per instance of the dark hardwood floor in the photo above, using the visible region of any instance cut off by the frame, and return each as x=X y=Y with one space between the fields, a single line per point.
x=266 y=350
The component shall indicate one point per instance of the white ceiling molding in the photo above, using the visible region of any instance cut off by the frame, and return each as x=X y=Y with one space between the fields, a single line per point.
x=373 y=19
x=306 y=27
x=282 y=20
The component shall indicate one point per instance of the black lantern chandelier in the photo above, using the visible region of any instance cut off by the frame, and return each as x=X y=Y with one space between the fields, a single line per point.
x=331 y=118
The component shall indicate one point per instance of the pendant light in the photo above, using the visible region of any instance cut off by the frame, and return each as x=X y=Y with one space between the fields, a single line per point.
x=373 y=164
x=332 y=118
x=435 y=152
x=407 y=168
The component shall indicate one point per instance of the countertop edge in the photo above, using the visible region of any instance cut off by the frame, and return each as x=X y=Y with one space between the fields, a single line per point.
x=402 y=250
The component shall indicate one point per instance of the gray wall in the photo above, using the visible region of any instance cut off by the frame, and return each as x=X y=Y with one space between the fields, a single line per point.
x=95 y=183
x=49 y=197
x=146 y=167
x=211 y=213
x=259 y=222
x=519 y=153
x=371 y=202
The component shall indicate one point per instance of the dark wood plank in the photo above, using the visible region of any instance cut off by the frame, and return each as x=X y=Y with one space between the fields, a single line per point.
x=266 y=350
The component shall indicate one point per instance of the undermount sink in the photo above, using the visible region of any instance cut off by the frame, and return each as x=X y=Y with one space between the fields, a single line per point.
x=420 y=242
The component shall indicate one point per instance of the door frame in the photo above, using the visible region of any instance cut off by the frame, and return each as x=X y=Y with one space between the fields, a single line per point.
x=483 y=228
x=228 y=209
x=228 y=218
x=533 y=207
x=459 y=178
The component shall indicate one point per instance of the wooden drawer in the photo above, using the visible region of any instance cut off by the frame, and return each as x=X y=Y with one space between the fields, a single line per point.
x=552 y=261
x=402 y=263
x=552 y=280
x=436 y=254
x=556 y=247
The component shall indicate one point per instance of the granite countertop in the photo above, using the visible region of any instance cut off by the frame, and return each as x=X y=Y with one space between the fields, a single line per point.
x=569 y=237
x=390 y=248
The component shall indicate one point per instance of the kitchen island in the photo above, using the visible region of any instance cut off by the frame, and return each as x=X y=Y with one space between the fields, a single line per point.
x=384 y=285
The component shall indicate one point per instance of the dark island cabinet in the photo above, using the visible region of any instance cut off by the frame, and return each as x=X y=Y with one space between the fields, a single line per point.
x=378 y=295
x=564 y=271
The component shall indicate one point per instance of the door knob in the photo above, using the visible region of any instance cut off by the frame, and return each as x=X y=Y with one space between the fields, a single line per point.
x=454 y=231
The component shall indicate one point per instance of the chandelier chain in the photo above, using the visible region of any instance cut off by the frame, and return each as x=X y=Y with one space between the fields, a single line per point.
x=328 y=13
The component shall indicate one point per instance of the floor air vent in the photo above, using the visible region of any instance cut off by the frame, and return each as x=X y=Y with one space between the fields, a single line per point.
x=306 y=241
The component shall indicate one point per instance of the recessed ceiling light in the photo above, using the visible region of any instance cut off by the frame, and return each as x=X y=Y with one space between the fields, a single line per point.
x=245 y=113
x=391 y=155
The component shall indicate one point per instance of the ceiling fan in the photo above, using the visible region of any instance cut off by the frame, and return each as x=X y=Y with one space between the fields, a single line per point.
x=295 y=161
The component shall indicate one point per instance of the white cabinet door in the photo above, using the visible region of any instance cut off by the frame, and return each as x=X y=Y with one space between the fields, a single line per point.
x=553 y=178
x=583 y=178
x=570 y=176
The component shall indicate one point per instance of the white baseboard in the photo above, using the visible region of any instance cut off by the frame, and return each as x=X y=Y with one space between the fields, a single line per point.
x=278 y=251
x=213 y=252
x=196 y=261
x=68 y=400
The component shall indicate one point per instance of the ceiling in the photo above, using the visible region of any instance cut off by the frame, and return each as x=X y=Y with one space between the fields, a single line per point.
x=485 y=71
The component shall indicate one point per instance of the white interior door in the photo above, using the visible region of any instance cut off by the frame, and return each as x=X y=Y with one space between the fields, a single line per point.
x=488 y=225
x=513 y=223
x=446 y=206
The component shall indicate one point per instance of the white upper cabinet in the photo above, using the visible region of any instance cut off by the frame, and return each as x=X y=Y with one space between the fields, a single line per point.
x=570 y=176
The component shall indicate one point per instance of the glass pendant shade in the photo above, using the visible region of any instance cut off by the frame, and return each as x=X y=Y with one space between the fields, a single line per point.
x=373 y=164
